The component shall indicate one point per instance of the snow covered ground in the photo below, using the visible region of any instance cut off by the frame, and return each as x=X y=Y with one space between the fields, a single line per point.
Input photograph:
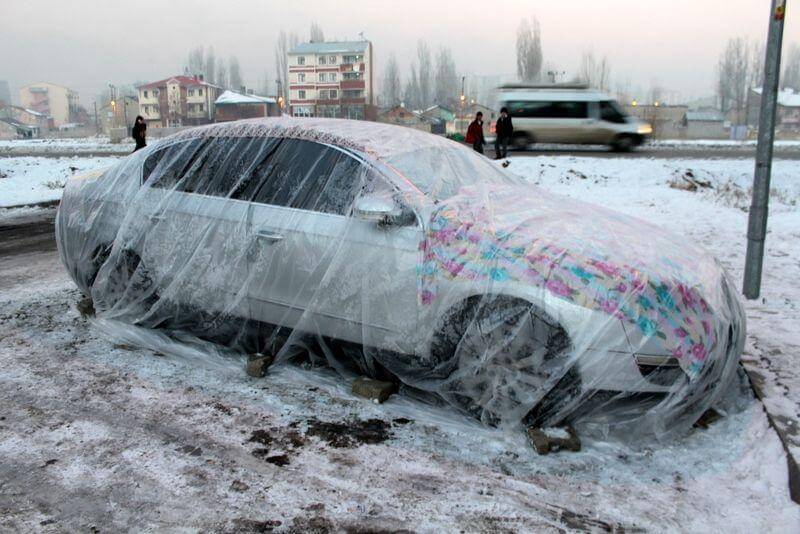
x=77 y=145
x=720 y=143
x=94 y=432
x=29 y=180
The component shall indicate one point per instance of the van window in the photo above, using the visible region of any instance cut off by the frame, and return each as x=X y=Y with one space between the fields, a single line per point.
x=549 y=110
x=610 y=112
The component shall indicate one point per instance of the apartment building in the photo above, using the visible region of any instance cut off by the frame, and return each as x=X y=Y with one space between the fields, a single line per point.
x=332 y=79
x=56 y=101
x=178 y=101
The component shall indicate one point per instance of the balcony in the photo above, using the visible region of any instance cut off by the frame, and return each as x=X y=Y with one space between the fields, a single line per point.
x=353 y=84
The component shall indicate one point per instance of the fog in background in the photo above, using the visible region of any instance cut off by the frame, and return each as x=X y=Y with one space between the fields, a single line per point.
x=86 y=44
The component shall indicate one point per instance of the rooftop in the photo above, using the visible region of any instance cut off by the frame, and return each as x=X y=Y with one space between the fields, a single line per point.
x=188 y=81
x=786 y=97
x=232 y=97
x=704 y=116
x=331 y=47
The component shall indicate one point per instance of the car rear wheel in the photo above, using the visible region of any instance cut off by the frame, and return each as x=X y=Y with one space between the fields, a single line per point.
x=499 y=356
x=128 y=286
x=521 y=141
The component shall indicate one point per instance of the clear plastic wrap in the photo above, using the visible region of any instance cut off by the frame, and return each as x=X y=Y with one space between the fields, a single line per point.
x=385 y=251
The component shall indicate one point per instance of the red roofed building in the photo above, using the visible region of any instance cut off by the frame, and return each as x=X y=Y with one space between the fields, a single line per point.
x=178 y=101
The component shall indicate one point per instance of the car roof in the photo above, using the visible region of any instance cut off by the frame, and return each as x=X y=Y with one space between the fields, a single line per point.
x=377 y=140
x=558 y=95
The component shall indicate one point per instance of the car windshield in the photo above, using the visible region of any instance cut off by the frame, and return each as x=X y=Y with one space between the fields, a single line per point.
x=441 y=173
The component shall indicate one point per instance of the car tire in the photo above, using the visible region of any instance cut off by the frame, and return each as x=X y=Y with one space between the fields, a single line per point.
x=476 y=356
x=624 y=143
x=127 y=279
x=521 y=141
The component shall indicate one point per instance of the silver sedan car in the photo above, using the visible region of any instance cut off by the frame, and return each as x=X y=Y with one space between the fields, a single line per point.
x=404 y=255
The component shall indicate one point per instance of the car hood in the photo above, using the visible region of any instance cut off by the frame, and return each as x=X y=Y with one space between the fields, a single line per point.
x=670 y=291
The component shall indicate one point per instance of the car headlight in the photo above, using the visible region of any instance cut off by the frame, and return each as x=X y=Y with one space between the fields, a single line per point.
x=644 y=129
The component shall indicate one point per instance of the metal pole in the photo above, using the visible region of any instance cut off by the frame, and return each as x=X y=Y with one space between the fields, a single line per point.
x=757 y=224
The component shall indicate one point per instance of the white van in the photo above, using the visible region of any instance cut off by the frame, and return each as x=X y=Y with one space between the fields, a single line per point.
x=571 y=114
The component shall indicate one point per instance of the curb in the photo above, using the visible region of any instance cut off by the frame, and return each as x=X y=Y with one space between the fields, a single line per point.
x=756 y=380
x=43 y=204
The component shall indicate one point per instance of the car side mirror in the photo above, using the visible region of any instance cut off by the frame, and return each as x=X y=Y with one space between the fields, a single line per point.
x=378 y=209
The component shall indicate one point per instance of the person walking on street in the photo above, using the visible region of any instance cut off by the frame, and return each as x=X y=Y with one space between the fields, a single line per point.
x=475 y=133
x=139 y=132
x=504 y=130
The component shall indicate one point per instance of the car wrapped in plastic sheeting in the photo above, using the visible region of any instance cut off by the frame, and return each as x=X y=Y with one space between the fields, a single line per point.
x=386 y=251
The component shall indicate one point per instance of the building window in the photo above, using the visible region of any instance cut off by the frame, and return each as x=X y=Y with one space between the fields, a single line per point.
x=323 y=94
x=145 y=94
x=352 y=59
x=332 y=60
x=301 y=77
x=333 y=76
x=301 y=60
x=351 y=75
x=199 y=92
x=191 y=92
x=322 y=77
x=321 y=60
x=333 y=94
x=301 y=94
x=155 y=93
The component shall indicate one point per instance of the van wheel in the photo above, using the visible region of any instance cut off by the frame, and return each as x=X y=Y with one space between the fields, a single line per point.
x=496 y=356
x=521 y=141
x=624 y=143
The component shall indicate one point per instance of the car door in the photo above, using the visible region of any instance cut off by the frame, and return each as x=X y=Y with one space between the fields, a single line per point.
x=317 y=268
x=197 y=238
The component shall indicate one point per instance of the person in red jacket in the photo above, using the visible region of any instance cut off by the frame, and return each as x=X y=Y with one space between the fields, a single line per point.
x=475 y=133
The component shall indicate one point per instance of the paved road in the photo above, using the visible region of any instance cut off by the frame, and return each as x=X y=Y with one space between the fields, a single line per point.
x=651 y=152
x=658 y=152
x=28 y=234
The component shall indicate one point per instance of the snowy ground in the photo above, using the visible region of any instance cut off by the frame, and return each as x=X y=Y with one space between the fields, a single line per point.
x=77 y=146
x=28 y=180
x=727 y=143
x=95 y=433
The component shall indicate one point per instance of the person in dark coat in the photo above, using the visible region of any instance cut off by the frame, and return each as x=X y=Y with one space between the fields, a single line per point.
x=139 y=132
x=475 y=133
x=504 y=130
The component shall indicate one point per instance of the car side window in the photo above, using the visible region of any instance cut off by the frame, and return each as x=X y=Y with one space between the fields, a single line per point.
x=610 y=113
x=549 y=110
x=164 y=168
x=308 y=175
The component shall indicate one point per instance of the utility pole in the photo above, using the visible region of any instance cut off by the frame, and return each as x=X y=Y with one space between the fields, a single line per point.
x=757 y=223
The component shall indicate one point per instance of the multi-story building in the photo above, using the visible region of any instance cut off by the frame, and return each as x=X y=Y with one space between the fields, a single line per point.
x=177 y=101
x=333 y=79
x=56 y=101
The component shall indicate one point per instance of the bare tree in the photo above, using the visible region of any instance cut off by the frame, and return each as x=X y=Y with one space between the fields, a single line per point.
x=234 y=74
x=282 y=47
x=596 y=73
x=733 y=76
x=446 y=82
x=529 y=50
x=791 y=73
x=425 y=76
x=211 y=64
x=195 y=63
x=316 y=35
x=222 y=73
x=411 y=94
x=391 y=82
x=266 y=86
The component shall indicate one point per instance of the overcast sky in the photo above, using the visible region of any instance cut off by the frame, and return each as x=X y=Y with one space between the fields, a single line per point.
x=88 y=44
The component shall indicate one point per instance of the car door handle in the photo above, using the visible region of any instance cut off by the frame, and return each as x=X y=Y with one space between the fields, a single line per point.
x=269 y=237
x=157 y=218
